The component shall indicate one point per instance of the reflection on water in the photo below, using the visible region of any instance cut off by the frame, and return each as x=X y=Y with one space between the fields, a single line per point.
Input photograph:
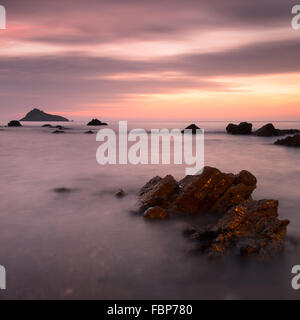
x=88 y=244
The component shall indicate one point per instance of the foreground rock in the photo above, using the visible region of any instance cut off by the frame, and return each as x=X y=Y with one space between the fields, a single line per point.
x=39 y=115
x=242 y=128
x=96 y=122
x=14 y=123
x=251 y=228
x=241 y=225
x=192 y=127
x=269 y=130
x=212 y=191
x=290 y=141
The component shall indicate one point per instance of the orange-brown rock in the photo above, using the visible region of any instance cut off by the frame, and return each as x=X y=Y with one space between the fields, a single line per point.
x=250 y=228
x=211 y=191
x=158 y=192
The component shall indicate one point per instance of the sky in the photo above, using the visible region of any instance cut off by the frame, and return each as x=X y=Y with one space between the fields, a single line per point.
x=159 y=59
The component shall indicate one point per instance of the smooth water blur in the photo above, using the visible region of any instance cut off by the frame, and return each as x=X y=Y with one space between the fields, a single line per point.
x=88 y=244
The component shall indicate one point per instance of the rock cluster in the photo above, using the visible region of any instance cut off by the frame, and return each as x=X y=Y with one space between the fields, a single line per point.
x=267 y=130
x=241 y=223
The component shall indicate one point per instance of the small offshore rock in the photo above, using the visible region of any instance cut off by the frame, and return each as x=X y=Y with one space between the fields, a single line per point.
x=120 y=193
x=243 y=128
x=58 y=131
x=14 y=123
x=192 y=127
x=62 y=190
x=290 y=141
x=96 y=122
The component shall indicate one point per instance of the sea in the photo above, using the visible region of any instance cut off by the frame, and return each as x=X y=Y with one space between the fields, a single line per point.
x=88 y=244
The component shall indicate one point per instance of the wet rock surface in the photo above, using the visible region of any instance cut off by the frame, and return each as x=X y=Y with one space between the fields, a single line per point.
x=242 y=128
x=241 y=225
x=290 y=141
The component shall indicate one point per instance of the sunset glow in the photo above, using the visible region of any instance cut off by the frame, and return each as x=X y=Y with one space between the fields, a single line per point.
x=134 y=60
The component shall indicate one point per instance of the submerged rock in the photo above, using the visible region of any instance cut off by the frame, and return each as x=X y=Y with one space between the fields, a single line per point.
x=58 y=131
x=62 y=190
x=250 y=228
x=96 y=122
x=120 y=193
x=242 y=128
x=192 y=127
x=14 y=123
x=290 y=141
x=269 y=130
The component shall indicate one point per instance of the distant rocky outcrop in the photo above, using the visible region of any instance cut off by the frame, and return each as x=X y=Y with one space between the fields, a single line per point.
x=269 y=130
x=14 y=123
x=290 y=141
x=192 y=127
x=242 y=128
x=39 y=115
x=241 y=224
x=89 y=132
x=96 y=122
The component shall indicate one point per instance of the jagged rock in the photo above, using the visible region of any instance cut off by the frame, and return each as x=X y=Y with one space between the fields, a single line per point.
x=290 y=141
x=242 y=128
x=192 y=127
x=14 y=123
x=156 y=213
x=39 y=115
x=241 y=224
x=158 y=192
x=96 y=122
x=250 y=228
x=210 y=192
x=269 y=130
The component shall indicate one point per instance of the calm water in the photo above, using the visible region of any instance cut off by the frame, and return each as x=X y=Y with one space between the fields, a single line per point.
x=88 y=244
